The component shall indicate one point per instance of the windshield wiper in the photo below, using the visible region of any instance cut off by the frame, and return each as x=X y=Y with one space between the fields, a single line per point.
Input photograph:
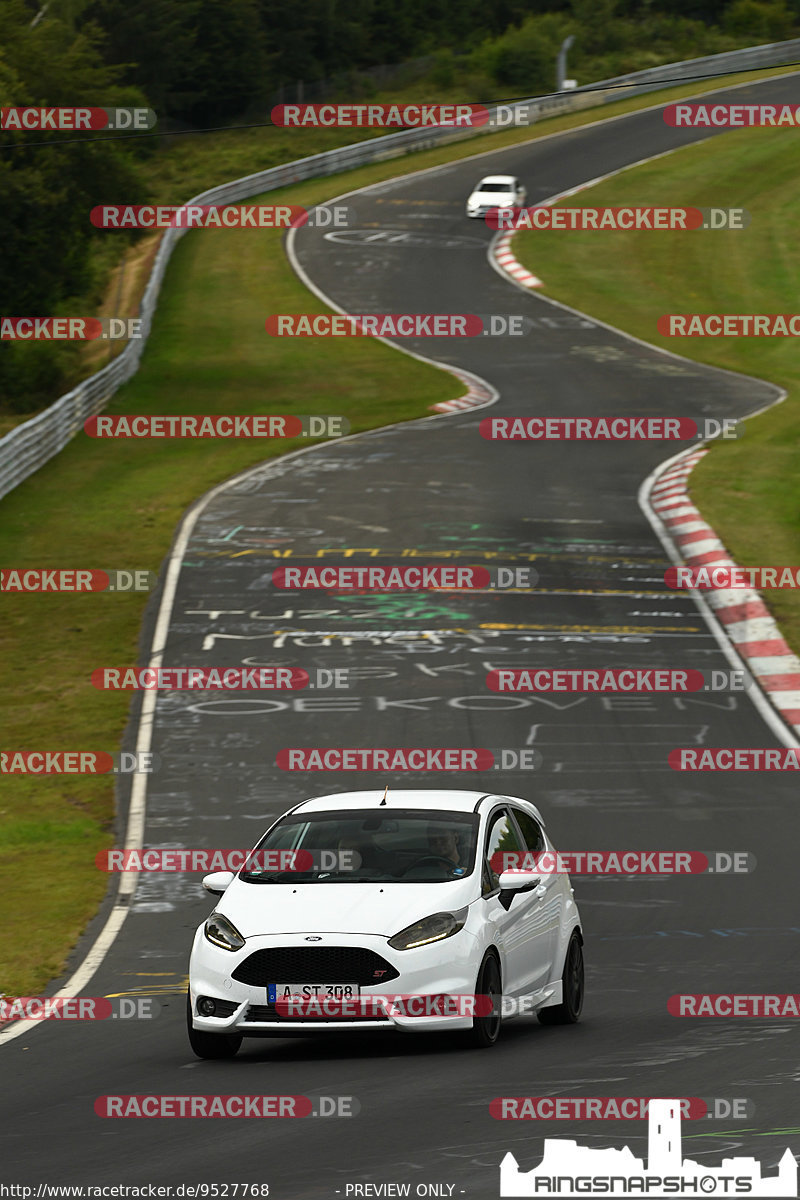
x=312 y=877
x=271 y=876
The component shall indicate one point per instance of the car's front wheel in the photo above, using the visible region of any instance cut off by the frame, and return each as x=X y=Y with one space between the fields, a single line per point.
x=210 y=1045
x=486 y=1029
x=569 y=1010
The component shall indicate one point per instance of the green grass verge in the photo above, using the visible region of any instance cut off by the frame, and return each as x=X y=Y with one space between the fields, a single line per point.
x=748 y=489
x=109 y=504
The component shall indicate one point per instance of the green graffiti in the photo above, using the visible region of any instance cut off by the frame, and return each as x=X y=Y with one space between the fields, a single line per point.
x=411 y=607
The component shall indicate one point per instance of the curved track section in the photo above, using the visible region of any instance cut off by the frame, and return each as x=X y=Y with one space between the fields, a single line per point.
x=428 y=490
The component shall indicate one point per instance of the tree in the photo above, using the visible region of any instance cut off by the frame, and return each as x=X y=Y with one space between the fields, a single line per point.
x=761 y=20
x=47 y=190
x=154 y=43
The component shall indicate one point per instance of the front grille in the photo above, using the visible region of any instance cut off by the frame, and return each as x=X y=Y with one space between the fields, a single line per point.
x=315 y=964
x=268 y=1012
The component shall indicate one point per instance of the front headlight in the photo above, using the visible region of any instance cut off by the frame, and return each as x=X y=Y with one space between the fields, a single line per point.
x=430 y=929
x=219 y=930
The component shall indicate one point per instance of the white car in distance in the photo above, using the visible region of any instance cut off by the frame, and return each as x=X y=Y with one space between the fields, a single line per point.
x=399 y=895
x=496 y=191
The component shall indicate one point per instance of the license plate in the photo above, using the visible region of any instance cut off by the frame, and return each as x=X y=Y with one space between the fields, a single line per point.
x=312 y=991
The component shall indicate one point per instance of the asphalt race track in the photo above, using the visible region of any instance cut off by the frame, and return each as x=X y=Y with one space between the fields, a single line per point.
x=437 y=491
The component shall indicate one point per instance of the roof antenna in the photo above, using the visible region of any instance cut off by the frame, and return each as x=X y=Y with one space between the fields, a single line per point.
x=385 y=794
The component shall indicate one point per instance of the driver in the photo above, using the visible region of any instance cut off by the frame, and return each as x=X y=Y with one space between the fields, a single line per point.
x=444 y=844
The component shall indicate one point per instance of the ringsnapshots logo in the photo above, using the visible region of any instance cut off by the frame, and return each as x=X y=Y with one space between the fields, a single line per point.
x=570 y=1170
x=606 y=429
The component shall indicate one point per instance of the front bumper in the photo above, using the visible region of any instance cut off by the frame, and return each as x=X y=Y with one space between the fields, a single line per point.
x=449 y=967
x=483 y=209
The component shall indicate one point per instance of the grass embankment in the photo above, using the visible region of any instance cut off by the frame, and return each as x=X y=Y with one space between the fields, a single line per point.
x=110 y=504
x=748 y=489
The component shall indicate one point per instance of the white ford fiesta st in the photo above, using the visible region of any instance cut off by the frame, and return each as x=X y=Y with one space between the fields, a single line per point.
x=388 y=910
x=495 y=191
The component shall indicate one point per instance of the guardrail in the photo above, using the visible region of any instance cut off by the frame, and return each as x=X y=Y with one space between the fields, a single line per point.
x=32 y=444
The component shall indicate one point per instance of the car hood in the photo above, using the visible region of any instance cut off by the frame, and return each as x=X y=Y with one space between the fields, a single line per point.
x=494 y=199
x=372 y=908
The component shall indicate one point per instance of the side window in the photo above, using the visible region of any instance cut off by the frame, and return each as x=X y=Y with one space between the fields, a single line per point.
x=502 y=836
x=531 y=831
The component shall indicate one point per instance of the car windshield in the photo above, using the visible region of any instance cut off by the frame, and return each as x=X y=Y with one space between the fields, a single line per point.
x=495 y=187
x=366 y=846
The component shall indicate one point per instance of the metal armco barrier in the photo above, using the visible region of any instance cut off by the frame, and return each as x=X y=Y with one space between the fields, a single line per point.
x=29 y=446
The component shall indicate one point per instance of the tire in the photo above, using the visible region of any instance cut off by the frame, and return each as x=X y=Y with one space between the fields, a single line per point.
x=486 y=1030
x=210 y=1045
x=572 y=985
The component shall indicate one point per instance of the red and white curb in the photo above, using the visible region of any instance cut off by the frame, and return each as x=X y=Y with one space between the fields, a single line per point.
x=741 y=611
x=503 y=256
x=476 y=395
x=500 y=255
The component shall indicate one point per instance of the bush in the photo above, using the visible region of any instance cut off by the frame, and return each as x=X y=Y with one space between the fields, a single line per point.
x=443 y=72
x=759 y=20
x=523 y=60
x=34 y=374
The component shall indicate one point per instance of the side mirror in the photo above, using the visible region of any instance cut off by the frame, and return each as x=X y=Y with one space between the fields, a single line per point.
x=218 y=882
x=519 y=881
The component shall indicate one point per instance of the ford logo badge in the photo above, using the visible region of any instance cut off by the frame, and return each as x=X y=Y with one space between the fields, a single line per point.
x=313 y=939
